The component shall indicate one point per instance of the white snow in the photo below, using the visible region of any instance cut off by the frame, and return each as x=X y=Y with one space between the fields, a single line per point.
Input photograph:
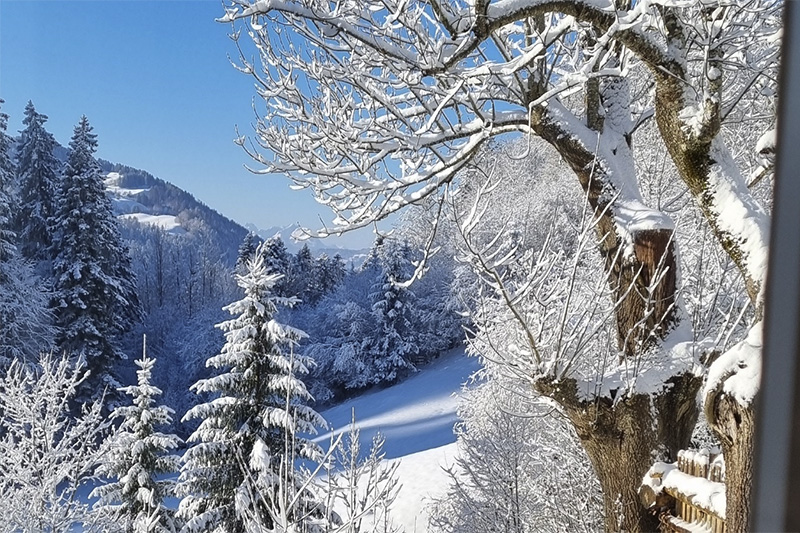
x=708 y=495
x=739 y=215
x=168 y=223
x=127 y=205
x=112 y=182
x=689 y=526
x=738 y=371
x=679 y=353
x=767 y=142
x=417 y=418
x=415 y=415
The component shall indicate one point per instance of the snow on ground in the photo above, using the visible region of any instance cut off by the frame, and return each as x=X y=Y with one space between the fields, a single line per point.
x=422 y=478
x=112 y=182
x=127 y=205
x=417 y=418
x=415 y=415
x=168 y=223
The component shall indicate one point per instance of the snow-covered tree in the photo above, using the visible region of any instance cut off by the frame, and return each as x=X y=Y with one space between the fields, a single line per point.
x=277 y=261
x=24 y=312
x=390 y=101
x=95 y=293
x=7 y=175
x=300 y=278
x=47 y=454
x=139 y=461
x=343 y=350
x=246 y=250
x=344 y=491
x=256 y=400
x=329 y=273
x=519 y=468
x=362 y=487
x=38 y=182
x=24 y=315
x=395 y=341
x=341 y=331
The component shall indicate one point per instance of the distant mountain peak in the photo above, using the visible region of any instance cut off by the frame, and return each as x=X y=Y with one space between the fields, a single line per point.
x=318 y=246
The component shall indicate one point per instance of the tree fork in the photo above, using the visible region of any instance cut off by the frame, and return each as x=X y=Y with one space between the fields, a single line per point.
x=621 y=437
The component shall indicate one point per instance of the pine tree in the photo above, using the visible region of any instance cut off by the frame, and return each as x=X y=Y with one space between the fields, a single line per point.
x=7 y=171
x=139 y=457
x=26 y=323
x=330 y=272
x=95 y=298
x=393 y=307
x=277 y=261
x=300 y=279
x=246 y=250
x=37 y=171
x=247 y=412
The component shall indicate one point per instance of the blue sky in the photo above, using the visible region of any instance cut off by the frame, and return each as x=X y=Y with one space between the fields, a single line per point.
x=154 y=79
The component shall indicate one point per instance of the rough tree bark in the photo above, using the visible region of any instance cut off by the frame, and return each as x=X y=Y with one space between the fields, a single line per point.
x=734 y=424
x=694 y=152
x=621 y=436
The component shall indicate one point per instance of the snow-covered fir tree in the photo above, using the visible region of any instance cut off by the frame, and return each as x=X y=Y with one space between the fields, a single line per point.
x=95 y=297
x=300 y=279
x=276 y=261
x=246 y=250
x=37 y=177
x=26 y=322
x=328 y=274
x=139 y=457
x=7 y=170
x=392 y=305
x=247 y=411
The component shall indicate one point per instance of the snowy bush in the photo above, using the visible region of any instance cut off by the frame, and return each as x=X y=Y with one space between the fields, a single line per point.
x=520 y=468
x=47 y=455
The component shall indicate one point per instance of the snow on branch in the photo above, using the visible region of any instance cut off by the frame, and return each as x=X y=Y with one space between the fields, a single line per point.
x=382 y=104
x=737 y=372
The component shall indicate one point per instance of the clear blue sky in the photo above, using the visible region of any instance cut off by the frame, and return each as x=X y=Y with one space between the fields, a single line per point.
x=154 y=79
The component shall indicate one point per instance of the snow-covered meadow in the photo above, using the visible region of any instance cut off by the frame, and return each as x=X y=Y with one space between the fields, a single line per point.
x=416 y=416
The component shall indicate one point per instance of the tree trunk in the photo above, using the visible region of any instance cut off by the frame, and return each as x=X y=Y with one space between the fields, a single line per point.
x=622 y=438
x=734 y=425
x=623 y=435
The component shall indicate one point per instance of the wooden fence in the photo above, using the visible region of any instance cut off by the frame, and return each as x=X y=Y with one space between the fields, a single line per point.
x=688 y=495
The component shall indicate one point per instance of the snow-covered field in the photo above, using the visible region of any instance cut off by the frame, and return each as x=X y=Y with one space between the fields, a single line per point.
x=168 y=223
x=416 y=417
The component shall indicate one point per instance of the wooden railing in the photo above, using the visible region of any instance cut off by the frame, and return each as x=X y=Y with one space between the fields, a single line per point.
x=688 y=495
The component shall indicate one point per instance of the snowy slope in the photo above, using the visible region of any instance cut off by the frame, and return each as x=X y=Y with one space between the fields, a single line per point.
x=417 y=418
x=168 y=223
